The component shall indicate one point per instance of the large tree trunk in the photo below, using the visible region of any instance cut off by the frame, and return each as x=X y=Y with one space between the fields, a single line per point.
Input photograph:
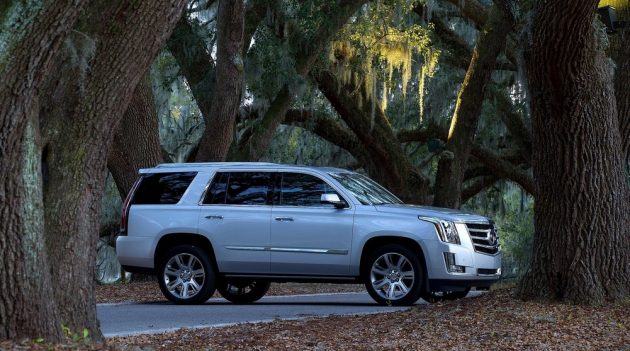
x=453 y=161
x=127 y=39
x=390 y=166
x=581 y=244
x=216 y=140
x=31 y=34
x=137 y=141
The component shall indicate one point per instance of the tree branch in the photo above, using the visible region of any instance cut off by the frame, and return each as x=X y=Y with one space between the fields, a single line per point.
x=477 y=185
x=503 y=168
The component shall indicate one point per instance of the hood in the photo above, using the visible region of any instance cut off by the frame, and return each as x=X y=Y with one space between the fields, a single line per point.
x=434 y=212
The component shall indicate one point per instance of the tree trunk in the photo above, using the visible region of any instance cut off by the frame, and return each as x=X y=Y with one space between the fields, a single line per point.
x=226 y=99
x=390 y=166
x=128 y=36
x=581 y=244
x=195 y=64
x=31 y=34
x=453 y=161
x=137 y=141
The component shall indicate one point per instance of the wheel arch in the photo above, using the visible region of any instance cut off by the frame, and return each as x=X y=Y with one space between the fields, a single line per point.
x=379 y=241
x=169 y=241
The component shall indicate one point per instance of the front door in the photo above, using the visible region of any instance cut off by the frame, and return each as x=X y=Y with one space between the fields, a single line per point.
x=308 y=237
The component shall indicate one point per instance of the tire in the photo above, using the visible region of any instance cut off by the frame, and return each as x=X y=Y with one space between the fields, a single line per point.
x=433 y=297
x=389 y=271
x=243 y=291
x=186 y=276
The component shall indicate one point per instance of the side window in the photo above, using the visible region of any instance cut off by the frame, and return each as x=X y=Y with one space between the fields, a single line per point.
x=216 y=192
x=299 y=189
x=248 y=188
x=162 y=188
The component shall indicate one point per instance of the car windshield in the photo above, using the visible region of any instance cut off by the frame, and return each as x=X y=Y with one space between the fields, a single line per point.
x=367 y=191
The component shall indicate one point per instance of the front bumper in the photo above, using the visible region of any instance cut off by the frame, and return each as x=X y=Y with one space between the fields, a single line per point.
x=480 y=270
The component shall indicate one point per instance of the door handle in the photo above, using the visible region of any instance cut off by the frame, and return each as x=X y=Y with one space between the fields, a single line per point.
x=214 y=217
x=284 y=219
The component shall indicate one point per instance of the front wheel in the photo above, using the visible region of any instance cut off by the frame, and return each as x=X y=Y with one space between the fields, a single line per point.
x=243 y=291
x=186 y=275
x=393 y=276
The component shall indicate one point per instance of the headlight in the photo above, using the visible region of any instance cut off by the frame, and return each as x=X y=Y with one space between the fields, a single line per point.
x=446 y=230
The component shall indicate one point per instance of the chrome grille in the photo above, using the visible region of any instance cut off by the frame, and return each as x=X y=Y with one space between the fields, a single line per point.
x=484 y=237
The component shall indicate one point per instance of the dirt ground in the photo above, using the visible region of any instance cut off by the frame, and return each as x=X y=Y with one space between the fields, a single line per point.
x=493 y=321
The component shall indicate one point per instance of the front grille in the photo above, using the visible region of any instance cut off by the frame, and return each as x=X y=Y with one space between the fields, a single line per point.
x=484 y=237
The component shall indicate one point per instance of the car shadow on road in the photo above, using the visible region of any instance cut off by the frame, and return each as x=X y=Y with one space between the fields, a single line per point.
x=278 y=303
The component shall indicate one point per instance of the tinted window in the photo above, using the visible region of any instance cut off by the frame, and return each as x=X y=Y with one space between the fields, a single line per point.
x=367 y=191
x=248 y=188
x=303 y=190
x=216 y=192
x=162 y=188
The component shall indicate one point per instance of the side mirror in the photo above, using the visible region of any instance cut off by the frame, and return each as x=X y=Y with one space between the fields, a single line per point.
x=332 y=199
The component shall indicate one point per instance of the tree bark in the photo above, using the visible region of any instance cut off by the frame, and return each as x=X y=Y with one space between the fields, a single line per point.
x=128 y=38
x=581 y=243
x=31 y=34
x=216 y=140
x=137 y=141
x=453 y=161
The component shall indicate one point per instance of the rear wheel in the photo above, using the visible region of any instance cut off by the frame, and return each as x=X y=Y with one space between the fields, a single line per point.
x=186 y=275
x=243 y=291
x=393 y=276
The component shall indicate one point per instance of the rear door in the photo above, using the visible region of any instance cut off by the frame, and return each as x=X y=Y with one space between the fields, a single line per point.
x=235 y=215
x=307 y=237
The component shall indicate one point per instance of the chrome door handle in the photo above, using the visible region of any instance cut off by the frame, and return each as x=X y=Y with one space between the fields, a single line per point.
x=214 y=217
x=284 y=219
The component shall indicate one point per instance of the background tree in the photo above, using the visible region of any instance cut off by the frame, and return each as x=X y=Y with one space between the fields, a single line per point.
x=216 y=141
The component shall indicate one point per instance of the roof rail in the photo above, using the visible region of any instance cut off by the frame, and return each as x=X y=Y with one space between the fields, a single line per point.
x=208 y=164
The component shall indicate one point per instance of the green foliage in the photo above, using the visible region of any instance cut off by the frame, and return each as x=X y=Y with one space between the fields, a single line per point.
x=270 y=65
x=513 y=213
x=77 y=337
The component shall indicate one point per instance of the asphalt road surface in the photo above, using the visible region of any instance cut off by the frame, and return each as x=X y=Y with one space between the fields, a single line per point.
x=156 y=317
x=121 y=319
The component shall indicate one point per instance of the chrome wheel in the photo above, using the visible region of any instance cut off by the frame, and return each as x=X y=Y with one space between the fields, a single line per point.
x=392 y=276
x=184 y=275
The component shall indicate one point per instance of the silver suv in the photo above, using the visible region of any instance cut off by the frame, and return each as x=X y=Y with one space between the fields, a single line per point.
x=237 y=227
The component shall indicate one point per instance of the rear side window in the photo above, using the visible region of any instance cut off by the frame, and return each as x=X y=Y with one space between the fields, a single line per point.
x=299 y=189
x=239 y=188
x=162 y=188
x=216 y=192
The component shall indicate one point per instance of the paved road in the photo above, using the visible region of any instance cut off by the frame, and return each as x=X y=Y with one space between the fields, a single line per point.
x=156 y=317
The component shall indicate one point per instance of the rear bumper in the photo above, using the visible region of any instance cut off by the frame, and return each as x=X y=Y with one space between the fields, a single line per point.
x=135 y=251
